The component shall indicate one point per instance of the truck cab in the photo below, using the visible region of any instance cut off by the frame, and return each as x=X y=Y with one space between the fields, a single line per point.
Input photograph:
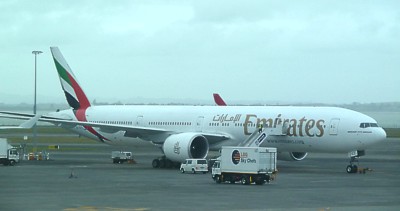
x=216 y=170
x=9 y=155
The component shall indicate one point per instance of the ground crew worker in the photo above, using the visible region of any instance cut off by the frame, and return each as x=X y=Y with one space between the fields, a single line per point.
x=260 y=127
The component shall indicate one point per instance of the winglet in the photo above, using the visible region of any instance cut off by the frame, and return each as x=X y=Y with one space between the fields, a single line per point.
x=26 y=125
x=73 y=92
x=30 y=123
x=218 y=100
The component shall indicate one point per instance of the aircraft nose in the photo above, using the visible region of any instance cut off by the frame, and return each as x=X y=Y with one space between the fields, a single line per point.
x=380 y=135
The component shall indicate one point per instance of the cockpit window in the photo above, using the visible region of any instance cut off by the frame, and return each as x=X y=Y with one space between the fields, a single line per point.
x=366 y=125
x=374 y=125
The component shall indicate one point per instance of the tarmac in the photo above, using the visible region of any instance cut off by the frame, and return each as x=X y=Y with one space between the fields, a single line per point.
x=82 y=177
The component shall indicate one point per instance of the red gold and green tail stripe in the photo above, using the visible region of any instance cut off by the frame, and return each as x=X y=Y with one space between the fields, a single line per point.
x=73 y=92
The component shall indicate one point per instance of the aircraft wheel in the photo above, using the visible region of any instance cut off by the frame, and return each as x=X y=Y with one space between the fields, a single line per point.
x=163 y=163
x=156 y=163
x=168 y=164
x=351 y=169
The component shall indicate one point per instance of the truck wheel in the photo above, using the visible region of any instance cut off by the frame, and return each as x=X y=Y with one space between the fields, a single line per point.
x=182 y=170
x=260 y=182
x=218 y=179
x=12 y=162
x=267 y=179
x=193 y=171
x=245 y=180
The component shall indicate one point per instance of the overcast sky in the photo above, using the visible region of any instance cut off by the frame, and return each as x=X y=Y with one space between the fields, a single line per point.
x=253 y=51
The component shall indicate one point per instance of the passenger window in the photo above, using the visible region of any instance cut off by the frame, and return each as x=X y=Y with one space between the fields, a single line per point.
x=201 y=162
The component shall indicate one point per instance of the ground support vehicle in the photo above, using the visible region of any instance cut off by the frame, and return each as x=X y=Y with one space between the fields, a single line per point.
x=194 y=166
x=121 y=157
x=245 y=164
x=9 y=155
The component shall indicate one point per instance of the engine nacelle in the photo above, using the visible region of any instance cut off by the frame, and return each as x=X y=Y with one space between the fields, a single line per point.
x=292 y=156
x=179 y=147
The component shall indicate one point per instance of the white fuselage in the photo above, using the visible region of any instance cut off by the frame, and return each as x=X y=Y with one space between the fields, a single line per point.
x=312 y=129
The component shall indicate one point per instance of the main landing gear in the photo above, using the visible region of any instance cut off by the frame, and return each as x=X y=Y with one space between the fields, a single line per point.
x=163 y=162
x=354 y=155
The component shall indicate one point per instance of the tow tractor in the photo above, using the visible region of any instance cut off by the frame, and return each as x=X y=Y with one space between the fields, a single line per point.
x=121 y=157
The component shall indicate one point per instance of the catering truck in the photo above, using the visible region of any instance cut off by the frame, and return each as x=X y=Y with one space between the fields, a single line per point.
x=8 y=154
x=245 y=164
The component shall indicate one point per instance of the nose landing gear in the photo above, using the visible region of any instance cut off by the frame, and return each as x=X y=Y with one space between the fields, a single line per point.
x=354 y=155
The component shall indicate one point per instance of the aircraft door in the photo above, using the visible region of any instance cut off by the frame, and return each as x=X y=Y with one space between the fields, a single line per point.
x=334 y=126
x=139 y=120
x=199 y=123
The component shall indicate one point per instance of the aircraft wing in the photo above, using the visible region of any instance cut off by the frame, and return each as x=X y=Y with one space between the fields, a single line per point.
x=130 y=130
x=15 y=115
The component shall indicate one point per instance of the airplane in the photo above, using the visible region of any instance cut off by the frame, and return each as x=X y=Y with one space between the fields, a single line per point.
x=183 y=132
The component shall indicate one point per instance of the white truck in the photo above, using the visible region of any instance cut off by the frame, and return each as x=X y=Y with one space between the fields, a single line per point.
x=120 y=156
x=245 y=164
x=8 y=154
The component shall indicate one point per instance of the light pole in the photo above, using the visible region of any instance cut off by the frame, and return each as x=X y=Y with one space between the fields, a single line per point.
x=34 y=103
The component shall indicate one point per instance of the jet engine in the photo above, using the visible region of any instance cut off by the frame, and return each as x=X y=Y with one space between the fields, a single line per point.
x=292 y=156
x=179 y=147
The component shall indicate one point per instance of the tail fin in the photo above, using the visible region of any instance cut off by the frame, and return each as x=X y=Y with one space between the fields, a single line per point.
x=218 y=100
x=73 y=92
